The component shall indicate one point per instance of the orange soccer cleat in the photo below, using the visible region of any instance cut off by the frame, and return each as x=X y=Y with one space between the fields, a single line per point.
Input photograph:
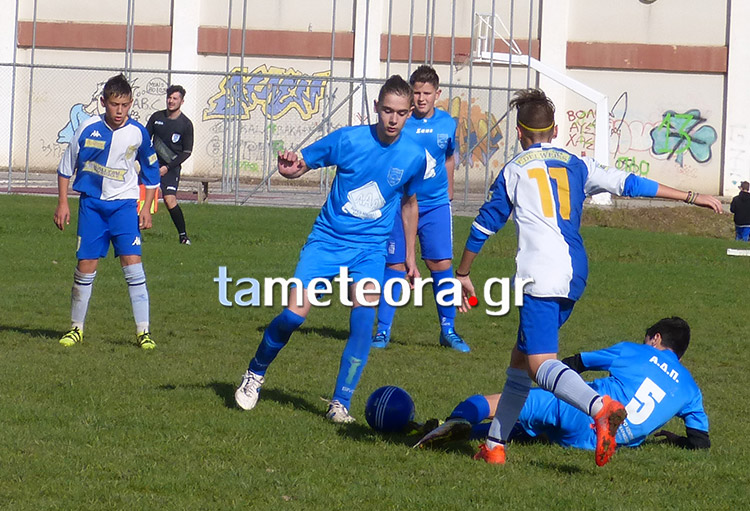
x=606 y=423
x=494 y=456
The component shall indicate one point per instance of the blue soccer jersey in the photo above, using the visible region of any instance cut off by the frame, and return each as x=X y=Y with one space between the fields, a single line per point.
x=104 y=160
x=545 y=188
x=437 y=135
x=371 y=178
x=651 y=383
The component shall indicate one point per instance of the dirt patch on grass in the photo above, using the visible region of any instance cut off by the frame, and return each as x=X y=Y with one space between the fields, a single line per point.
x=680 y=219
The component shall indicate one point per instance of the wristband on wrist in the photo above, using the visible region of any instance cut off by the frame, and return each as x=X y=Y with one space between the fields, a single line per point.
x=462 y=274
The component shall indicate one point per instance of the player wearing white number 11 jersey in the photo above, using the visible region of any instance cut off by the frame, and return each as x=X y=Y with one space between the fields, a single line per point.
x=544 y=187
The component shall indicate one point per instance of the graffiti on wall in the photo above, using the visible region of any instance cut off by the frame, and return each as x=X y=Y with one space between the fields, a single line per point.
x=478 y=134
x=146 y=99
x=243 y=91
x=677 y=135
x=582 y=130
x=671 y=137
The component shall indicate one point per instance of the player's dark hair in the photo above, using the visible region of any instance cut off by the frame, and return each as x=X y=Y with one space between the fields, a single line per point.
x=425 y=74
x=535 y=113
x=396 y=85
x=176 y=88
x=675 y=334
x=117 y=86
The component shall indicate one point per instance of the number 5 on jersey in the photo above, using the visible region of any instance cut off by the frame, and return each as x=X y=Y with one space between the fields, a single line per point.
x=560 y=175
x=643 y=403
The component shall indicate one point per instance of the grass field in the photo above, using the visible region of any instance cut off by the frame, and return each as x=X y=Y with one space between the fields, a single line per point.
x=105 y=426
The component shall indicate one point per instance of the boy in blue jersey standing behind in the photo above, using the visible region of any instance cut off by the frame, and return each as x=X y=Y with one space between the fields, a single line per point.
x=102 y=154
x=435 y=132
x=648 y=377
x=376 y=167
x=544 y=187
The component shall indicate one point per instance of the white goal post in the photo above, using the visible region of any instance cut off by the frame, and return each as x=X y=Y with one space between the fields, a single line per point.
x=484 y=42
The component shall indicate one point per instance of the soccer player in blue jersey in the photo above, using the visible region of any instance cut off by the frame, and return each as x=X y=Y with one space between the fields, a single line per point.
x=376 y=167
x=103 y=156
x=648 y=377
x=435 y=131
x=544 y=187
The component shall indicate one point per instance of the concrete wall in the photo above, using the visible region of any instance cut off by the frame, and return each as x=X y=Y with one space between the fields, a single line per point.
x=674 y=72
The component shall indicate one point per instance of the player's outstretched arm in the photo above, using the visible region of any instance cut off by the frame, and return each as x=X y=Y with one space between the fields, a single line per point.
x=62 y=212
x=462 y=274
x=290 y=165
x=695 y=439
x=699 y=199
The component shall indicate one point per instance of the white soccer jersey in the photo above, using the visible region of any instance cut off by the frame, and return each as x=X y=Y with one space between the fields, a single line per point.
x=104 y=160
x=545 y=187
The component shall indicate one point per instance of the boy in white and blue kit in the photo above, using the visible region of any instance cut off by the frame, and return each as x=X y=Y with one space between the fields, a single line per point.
x=544 y=187
x=435 y=132
x=376 y=167
x=102 y=155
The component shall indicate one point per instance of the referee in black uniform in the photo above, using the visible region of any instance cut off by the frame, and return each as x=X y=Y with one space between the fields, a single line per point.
x=172 y=135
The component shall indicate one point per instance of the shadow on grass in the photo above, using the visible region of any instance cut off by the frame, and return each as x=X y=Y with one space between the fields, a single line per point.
x=562 y=468
x=333 y=333
x=226 y=392
x=33 y=332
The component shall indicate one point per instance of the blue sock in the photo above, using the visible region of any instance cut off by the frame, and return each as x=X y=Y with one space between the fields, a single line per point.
x=473 y=409
x=446 y=314
x=354 y=357
x=480 y=431
x=136 y=279
x=275 y=337
x=385 y=311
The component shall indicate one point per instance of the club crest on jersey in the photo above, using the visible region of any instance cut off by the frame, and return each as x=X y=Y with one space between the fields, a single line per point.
x=442 y=140
x=175 y=138
x=394 y=176
x=365 y=201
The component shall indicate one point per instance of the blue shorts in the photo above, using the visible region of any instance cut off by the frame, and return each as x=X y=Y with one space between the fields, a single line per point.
x=540 y=322
x=545 y=415
x=435 y=231
x=102 y=221
x=742 y=233
x=324 y=259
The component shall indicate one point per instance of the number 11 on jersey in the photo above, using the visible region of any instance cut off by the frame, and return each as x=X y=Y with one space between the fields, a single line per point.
x=560 y=175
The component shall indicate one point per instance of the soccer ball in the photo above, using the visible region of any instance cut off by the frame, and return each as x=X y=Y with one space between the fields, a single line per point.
x=389 y=409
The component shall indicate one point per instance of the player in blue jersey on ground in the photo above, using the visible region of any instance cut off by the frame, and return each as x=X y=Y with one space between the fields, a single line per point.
x=376 y=167
x=435 y=131
x=102 y=154
x=648 y=377
x=544 y=187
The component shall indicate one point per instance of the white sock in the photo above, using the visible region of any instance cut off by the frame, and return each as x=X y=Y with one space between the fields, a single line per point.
x=514 y=395
x=136 y=279
x=79 y=298
x=568 y=385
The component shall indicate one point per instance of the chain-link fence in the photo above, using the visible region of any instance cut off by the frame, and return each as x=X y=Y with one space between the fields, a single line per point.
x=245 y=106
x=242 y=119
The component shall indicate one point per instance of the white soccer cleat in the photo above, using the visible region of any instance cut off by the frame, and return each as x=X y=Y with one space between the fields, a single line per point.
x=450 y=431
x=246 y=395
x=338 y=413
